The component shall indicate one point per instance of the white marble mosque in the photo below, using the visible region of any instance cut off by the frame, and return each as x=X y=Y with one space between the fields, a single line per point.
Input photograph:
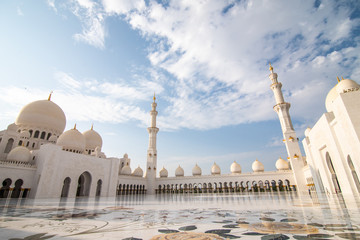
x=39 y=160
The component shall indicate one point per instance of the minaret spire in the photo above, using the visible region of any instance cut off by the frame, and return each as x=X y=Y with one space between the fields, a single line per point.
x=290 y=139
x=49 y=98
x=152 y=151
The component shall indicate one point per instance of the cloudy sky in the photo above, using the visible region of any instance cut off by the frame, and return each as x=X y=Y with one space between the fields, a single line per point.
x=207 y=61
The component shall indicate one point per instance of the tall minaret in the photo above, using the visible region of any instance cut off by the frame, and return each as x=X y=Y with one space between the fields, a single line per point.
x=290 y=139
x=152 y=152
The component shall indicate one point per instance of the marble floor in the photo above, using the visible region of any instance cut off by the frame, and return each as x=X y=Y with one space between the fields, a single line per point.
x=183 y=216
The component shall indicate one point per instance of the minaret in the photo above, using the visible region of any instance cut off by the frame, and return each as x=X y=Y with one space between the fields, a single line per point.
x=152 y=152
x=290 y=139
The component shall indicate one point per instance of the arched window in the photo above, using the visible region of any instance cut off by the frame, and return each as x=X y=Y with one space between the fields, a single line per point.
x=43 y=134
x=48 y=136
x=31 y=132
x=353 y=173
x=333 y=173
x=36 y=134
x=20 y=142
x=33 y=145
x=9 y=145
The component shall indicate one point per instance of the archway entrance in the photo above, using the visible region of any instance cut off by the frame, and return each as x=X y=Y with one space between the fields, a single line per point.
x=84 y=184
x=333 y=173
x=66 y=187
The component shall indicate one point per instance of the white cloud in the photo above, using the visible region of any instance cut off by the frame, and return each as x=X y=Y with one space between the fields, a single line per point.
x=91 y=16
x=51 y=4
x=216 y=54
x=124 y=6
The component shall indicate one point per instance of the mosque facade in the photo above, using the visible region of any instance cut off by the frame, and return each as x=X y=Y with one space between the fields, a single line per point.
x=39 y=160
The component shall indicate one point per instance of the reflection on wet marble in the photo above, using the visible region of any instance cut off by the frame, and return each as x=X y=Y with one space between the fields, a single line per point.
x=197 y=216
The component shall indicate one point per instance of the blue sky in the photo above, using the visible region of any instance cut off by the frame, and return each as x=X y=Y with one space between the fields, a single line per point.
x=206 y=61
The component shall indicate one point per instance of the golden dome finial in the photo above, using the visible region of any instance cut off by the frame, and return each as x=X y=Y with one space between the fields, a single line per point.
x=342 y=78
x=92 y=126
x=49 y=98
x=270 y=67
x=154 y=98
x=75 y=126
x=338 y=79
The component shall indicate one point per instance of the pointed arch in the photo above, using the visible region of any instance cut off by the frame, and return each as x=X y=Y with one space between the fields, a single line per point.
x=353 y=173
x=98 y=188
x=66 y=187
x=17 y=189
x=5 y=189
x=9 y=145
x=333 y=173
x=84 y=184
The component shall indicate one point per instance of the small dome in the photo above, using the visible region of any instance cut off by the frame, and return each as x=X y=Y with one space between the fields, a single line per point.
x=215 y=169
x=72 y=140
x=19 y=154
x=126 y=170
x=12 y=127
x=235 y=167
x=24 y=134
x=257 y=166
x=347 y=85
x=179 y=172
x=138 y=172
x=307 y=131
x=126 y=155
x=163 y=173
x=53 y=138
x=196 y=171
x=42 y=114
x=281 y=164
x=92 y=139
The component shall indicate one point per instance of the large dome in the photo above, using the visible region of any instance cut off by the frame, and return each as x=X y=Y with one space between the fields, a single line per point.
x=92 y=139
x=19 y=154
x=42 y=114
x=72 y=140
x=347 y=85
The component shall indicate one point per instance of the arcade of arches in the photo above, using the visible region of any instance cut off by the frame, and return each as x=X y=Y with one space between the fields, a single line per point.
x=227 y=187
x=8 y=190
